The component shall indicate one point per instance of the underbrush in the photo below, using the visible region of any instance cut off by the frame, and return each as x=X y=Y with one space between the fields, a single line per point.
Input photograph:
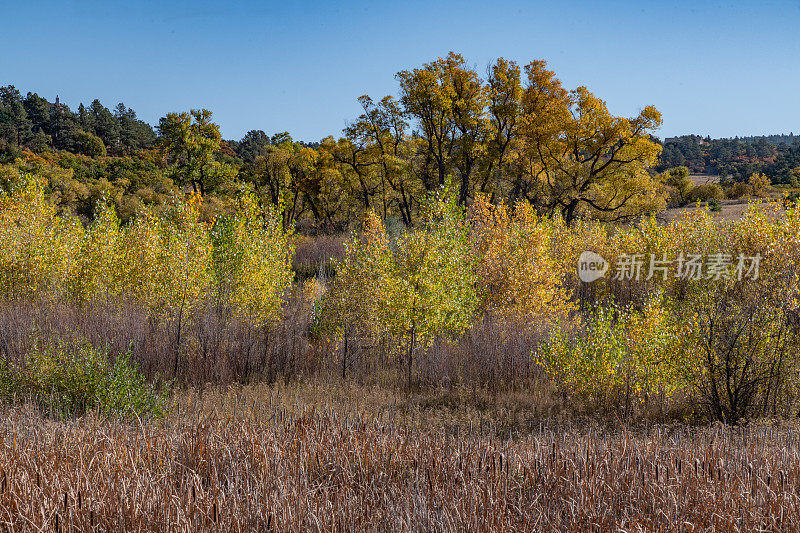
x=67 y=380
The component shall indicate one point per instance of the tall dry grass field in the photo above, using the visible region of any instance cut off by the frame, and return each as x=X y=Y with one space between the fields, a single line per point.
x=313 y=458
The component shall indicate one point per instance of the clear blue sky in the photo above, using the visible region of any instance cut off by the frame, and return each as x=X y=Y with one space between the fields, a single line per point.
x=716 y=68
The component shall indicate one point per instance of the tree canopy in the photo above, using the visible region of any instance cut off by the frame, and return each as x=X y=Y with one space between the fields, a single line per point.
x=513 y=133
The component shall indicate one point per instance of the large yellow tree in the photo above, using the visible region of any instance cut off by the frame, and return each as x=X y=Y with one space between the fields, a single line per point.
x=583 y=160
x=448 y=101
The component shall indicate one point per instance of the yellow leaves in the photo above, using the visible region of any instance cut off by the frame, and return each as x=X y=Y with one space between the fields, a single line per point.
x=624 y=355
x=649 y=118
x=36 y=246
x=414 y=289
x=374 y=233
x=313 y=291
x=518 y=275
x=163 y=262
x=194 y=201
x=96 y=269
x=362 y=288
x=180 y=262
x=252 y=262
x=584 y=160
x=759 y=183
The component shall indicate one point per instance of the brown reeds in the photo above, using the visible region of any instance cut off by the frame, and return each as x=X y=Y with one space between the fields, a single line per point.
x=307 y=459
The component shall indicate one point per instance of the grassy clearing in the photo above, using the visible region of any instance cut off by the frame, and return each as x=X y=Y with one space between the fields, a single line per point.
x=335 y=458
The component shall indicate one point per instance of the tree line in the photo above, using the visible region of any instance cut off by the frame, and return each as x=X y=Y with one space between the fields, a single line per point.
x=34 y=123
x=512 y=133
x=776 y=156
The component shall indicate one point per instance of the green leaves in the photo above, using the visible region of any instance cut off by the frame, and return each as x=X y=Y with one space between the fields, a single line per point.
x=190 y=141
x=623 y=356
x=434 y=272
x=419 y=287
x=70 y=380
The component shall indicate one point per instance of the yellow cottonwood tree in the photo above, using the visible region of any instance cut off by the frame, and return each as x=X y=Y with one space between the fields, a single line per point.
x=449 y=102
x=357 y=303
x=518 y=277
x=96 y=272
x=37 y=247
x=432 y=289
x=417 y=289
x=584 y=160
x=166 y=264
x=760 y=184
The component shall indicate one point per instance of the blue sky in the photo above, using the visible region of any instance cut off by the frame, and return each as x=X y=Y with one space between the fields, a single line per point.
x=716 y=68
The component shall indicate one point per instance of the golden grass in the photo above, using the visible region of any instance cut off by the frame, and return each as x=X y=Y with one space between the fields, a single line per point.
x=345 y=458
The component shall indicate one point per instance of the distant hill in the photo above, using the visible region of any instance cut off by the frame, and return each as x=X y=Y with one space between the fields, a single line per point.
x=737 y=158
x=781 y=138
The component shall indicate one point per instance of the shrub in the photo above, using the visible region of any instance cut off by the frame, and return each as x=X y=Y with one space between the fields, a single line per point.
x=741 y=341
x=760 y=184
x=620 y=358
x=705 y=192
x=316 y=256
x=89 y=145
x=678 y=180
x=69 y=380
x=738 y=190
x=356 y=305
x=37 y=247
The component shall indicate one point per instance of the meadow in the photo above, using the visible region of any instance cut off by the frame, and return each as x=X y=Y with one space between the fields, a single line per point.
x=325 y=457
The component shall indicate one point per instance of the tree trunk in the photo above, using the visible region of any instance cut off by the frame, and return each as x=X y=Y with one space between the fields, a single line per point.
x=344 y=355
x=178 y=341
x=411 y=357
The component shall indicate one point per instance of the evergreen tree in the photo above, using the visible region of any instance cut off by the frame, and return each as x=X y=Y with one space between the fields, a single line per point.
x=15 y=126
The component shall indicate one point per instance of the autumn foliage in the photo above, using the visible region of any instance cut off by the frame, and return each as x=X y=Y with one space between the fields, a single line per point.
x=723 y=340
x=720 y=344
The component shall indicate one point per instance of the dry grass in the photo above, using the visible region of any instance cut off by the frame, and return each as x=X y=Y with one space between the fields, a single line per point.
x=315 y=255
x=729 y=210
x=703 y=179
x=339 y=458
